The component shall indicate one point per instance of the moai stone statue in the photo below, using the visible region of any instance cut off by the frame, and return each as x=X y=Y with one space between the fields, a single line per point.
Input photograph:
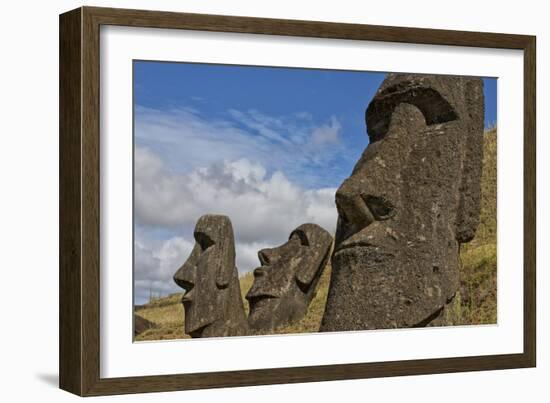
x=212 y=301
x=412 y=199
x=284 y=284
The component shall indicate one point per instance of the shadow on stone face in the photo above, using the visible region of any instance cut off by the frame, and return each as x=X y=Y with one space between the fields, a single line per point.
x=212 y=301
x=412 y=198
x=284 y=284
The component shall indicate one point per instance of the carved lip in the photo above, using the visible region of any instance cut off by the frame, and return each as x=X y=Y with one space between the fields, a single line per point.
x=261 y=303
x=262 y=265
x=259 y=295
x=187 y=297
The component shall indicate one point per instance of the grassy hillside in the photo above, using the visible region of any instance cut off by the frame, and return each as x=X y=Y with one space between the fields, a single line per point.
x=167 y=315
x=474 y=304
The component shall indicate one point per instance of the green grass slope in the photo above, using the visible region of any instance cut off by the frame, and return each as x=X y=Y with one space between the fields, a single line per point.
x=475 y=303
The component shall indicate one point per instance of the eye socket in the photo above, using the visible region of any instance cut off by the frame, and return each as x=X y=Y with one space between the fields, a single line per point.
x=203 y=240
x=380 y=207
x=301 y=236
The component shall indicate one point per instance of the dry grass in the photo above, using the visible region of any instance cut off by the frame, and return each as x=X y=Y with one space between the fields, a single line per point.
x=246 y=282
x=475 y=303
x=167 y=315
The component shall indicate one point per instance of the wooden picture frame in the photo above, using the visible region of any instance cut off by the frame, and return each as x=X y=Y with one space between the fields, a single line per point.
x=79 y=347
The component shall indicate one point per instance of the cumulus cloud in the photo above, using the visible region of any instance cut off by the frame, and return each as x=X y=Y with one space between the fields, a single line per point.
x=154 y=265
x=263 y=208
x=268 y=174
x=157 y=261
x=260 y=206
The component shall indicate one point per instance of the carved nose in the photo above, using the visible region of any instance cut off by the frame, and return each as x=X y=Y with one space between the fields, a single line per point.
x=353 y=215
x=353 y=210
x=184 y=277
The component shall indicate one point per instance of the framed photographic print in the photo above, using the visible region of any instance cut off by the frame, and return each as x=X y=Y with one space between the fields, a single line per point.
x=249 y=201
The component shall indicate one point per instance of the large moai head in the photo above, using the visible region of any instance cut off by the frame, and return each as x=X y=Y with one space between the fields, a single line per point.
x=412 y=199
x=212 y=301
x=285 y=282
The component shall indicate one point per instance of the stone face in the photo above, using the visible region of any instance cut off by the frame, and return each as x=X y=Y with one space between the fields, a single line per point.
x=285 y=282
x=412 y=198
x=212 y=301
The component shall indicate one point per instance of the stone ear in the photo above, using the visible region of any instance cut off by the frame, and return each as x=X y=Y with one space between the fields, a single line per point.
x=226 y=263
x=467 y=217
x=308 y=272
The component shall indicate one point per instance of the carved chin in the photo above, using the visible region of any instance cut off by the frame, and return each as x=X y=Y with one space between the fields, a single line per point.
x=262 y=312
x=270 y=313
x=197 y=332
x=194 y=328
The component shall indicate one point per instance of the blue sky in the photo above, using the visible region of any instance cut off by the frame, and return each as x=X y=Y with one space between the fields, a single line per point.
x=216 y=90
x=266 y=146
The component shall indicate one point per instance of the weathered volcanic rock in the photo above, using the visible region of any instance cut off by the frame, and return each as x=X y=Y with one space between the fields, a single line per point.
x=212 y=302
x=141 y=325
x=412 y=198
x=284 y=285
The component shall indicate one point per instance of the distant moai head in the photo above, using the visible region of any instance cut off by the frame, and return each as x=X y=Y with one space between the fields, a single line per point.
x=285 y=282
x=412 y=198
x=212 y=301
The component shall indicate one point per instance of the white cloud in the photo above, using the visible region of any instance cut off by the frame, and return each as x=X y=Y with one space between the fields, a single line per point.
x=261 y=208
x=327 y=134
x=294 y=144
x=157 y=261
x=249 y=166
x=154 y=265
x=247 y=254
x=266 y=126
